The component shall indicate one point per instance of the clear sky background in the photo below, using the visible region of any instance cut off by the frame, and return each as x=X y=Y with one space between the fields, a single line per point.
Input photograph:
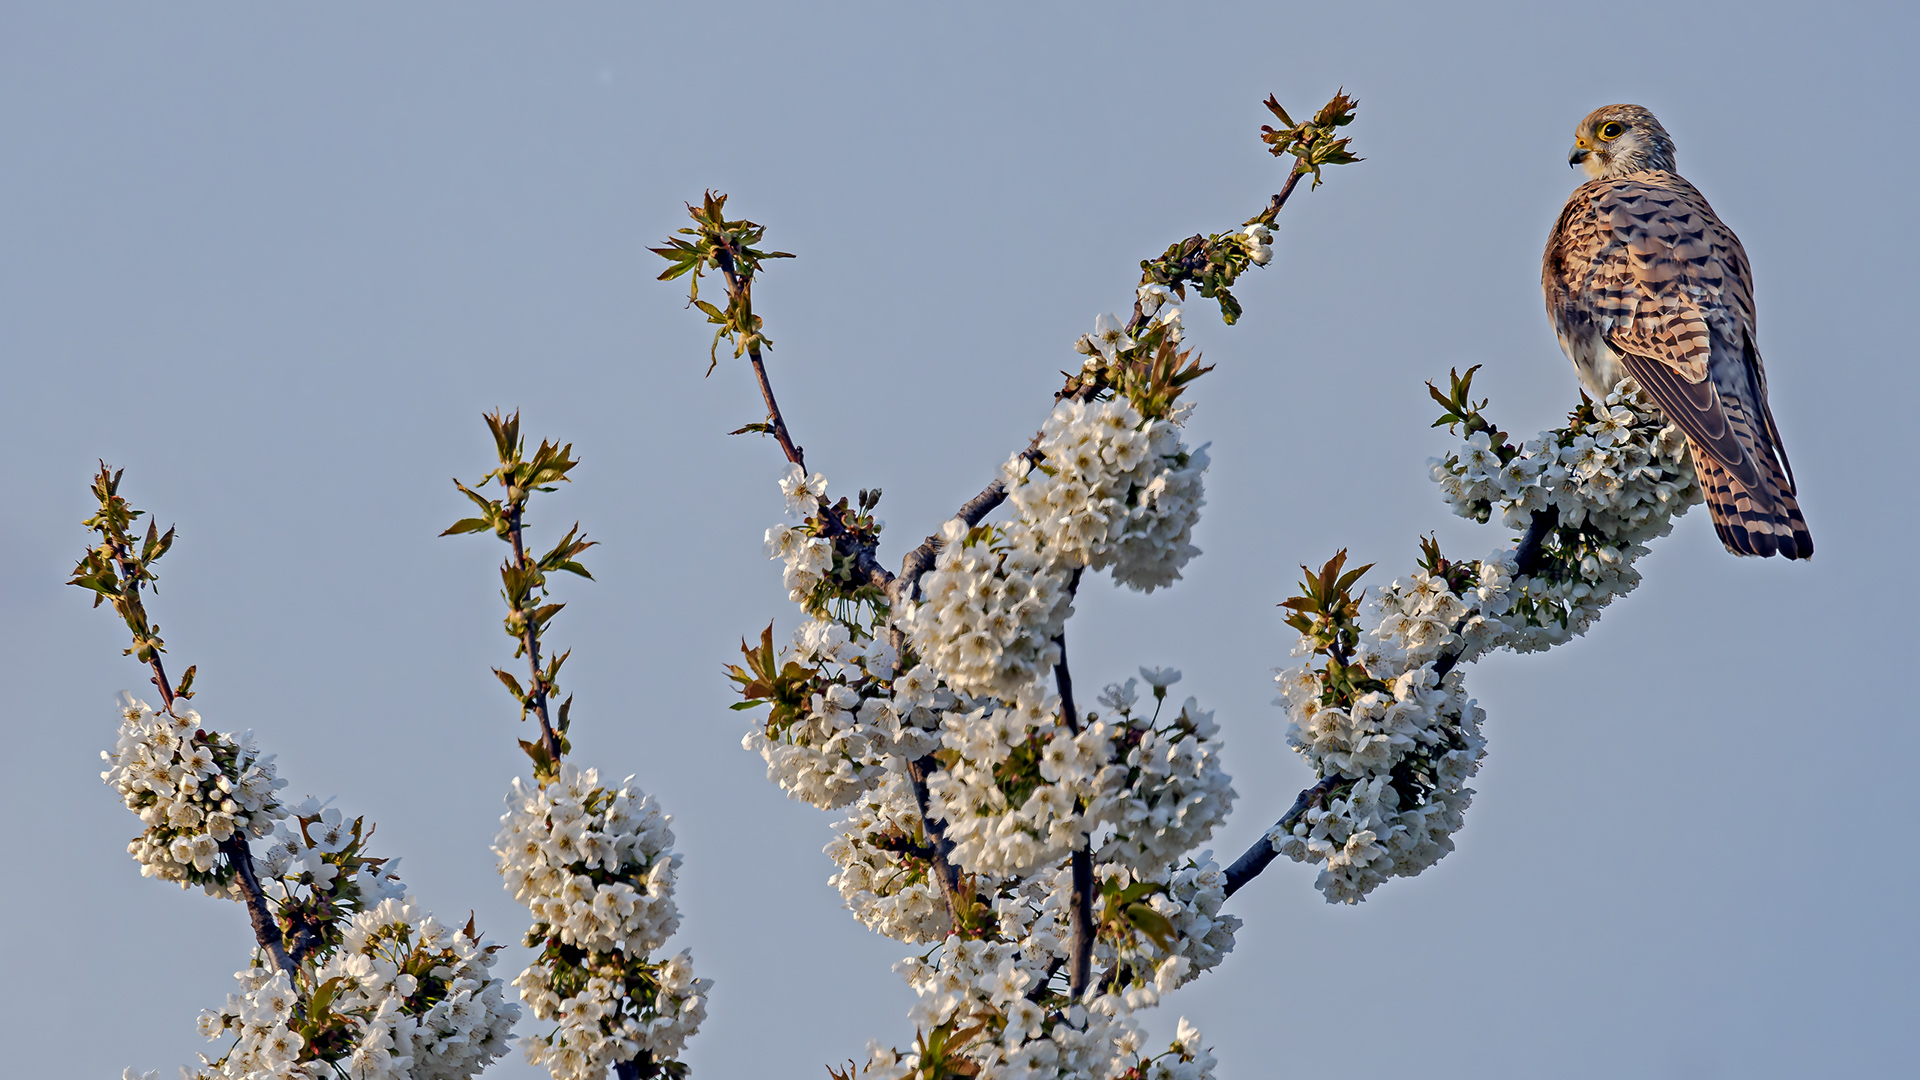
x=275 y=260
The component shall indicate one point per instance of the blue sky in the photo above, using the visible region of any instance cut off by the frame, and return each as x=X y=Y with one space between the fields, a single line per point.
x=277 y=261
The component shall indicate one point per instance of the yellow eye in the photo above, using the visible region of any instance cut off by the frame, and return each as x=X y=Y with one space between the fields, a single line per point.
x=1611 y=130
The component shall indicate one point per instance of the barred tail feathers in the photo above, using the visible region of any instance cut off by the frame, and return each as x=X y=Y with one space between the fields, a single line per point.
x=1761 y=521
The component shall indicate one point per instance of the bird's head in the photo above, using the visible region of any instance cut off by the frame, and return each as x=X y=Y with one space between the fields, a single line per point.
x=1618 y=139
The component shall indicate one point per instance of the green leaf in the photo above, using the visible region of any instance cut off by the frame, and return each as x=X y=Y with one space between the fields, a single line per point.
x=1153 y=924
x=513 y=686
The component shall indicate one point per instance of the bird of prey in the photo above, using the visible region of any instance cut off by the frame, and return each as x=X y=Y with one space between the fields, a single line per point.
x=1642 y=279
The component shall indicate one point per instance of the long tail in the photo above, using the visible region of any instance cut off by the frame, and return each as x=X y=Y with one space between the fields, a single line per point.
x=1766 y=521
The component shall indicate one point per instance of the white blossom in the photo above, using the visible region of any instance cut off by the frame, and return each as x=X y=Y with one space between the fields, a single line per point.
x=803 y=491
x=1258 y=240
x=1110 y=337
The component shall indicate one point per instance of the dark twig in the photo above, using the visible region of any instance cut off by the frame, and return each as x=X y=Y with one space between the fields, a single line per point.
x=130 y=575
x=866 y=563
x=1045 y=986
x=1080 y=956
x=642 y=1067
x=973 y=511
x=1286 y=190
x=1527 y=557
x=739 y=286
x=530 y=642
x=1080 y=946
x=265 y=930
x=942 y=849
x=1248 y=866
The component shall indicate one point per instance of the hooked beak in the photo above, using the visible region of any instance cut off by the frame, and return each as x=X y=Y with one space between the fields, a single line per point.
x=1577 y=155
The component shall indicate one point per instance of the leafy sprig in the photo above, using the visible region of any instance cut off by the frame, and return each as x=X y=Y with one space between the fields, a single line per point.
x=1464 y=416
x=114 y=569
x=523 y=579
x=727 y=246
x=1314 y=142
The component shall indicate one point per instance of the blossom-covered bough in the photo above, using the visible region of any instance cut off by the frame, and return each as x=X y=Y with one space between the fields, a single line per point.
x=593 y=862
x=1048 y=856
x=350 y=978
x=1379 y=710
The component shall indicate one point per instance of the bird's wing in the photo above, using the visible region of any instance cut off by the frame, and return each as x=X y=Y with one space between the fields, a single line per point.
x=1666 y=278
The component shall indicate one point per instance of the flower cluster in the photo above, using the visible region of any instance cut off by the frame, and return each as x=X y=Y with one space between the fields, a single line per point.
x=824 y=553
x=380 y=991
x=977 y=1017
x=884 y=859
x=1195 y=937
x=839 y=713
x=194 y=790
x=1173 y=793
x=993 y=605
x=1617 y=476
x=596 y=868
x=317 y=872
x=1404 y=750
x=1021 y=788
x=1112 y=489
x=402 y=998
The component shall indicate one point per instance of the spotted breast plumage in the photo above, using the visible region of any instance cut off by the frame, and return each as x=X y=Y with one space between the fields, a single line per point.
x=1642 y=279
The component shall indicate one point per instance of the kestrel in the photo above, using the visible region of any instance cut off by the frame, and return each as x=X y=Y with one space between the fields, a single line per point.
x=1642 y=279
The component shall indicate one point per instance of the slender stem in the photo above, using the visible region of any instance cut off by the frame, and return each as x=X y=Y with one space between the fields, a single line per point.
x=130 y=579
x=1527 y=557
x=1286 y=189
x=1062 y=676
x=973 y=511
x=265 y=930
x=1248 y=865
x=530 y=642
x=942 y=849
x=740 y=287
x=1080 y=956
x=1080 y=946
x=1045 y=985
